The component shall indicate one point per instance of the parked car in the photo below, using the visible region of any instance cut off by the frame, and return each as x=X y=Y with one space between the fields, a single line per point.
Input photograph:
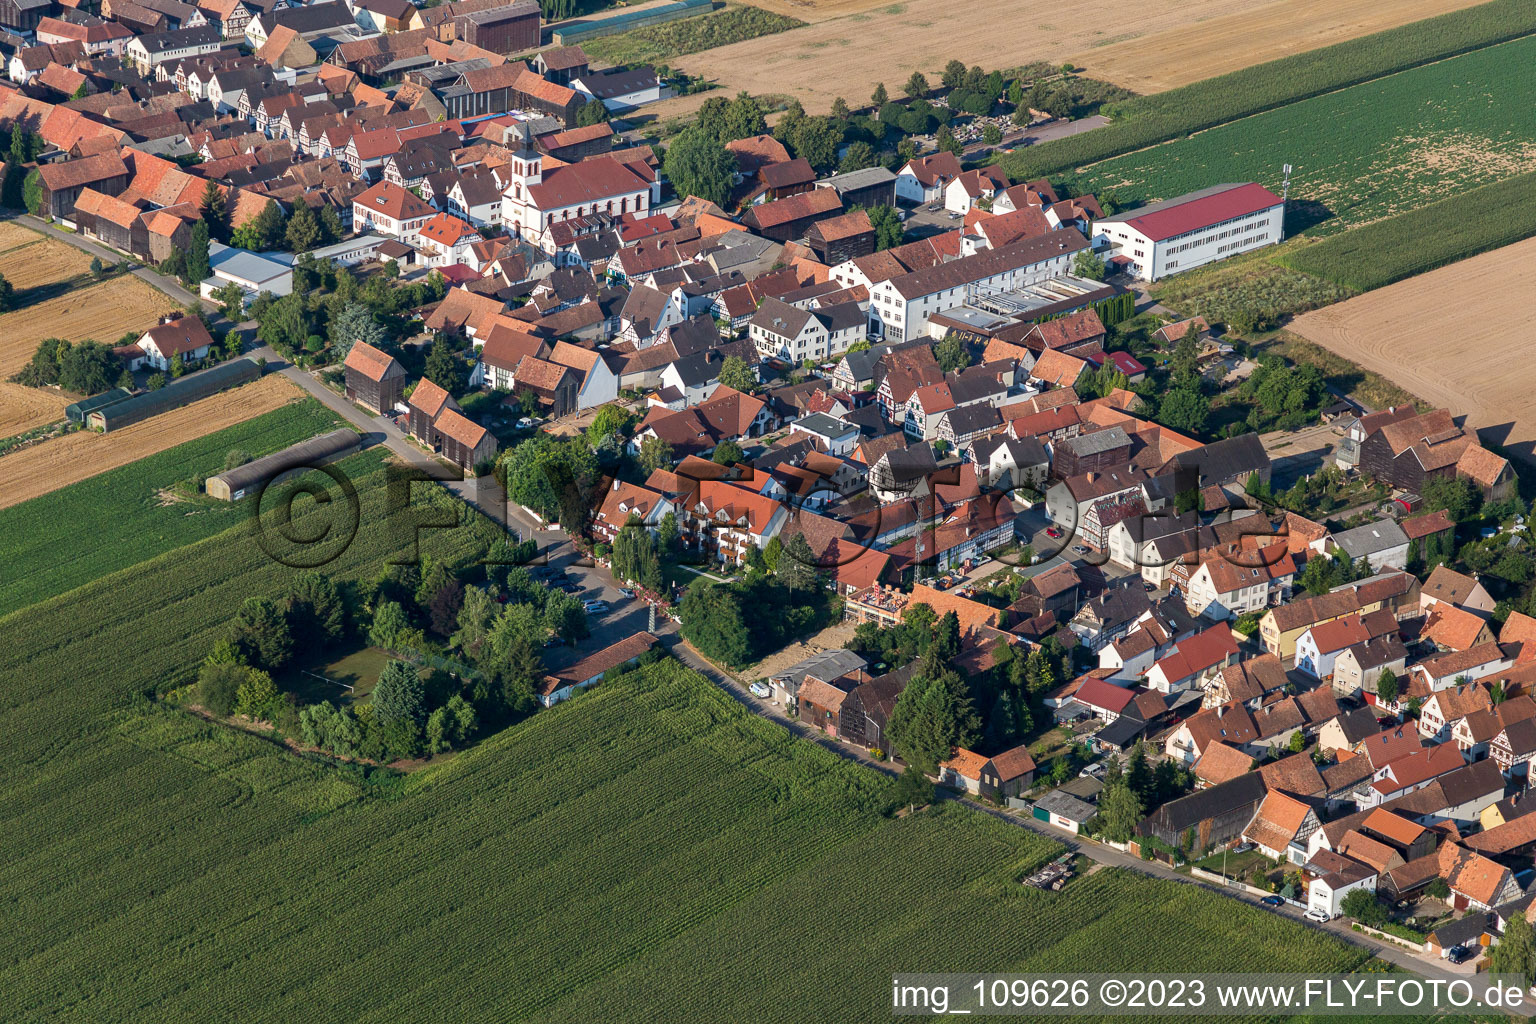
x=1272 y=901
x=1242 y=848
x=760 y=690
x=553 y=641
x=594 y=607
x=1319 y=916
x=1148 y=586
x=626 y=592
x=1458 y=954
x=1079 y=549
x=1052 y=532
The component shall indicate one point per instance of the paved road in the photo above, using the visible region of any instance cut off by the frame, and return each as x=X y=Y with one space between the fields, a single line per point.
x=627 y=616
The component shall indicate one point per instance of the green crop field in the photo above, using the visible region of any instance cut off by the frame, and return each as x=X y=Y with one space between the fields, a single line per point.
x=1363 y=153
x=79 y=533
x=1421 y=240
x=1148 y=120
x=732 y=24
x=649 y=851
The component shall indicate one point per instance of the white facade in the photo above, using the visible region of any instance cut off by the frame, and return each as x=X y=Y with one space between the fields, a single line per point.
x=1152 y=259
x=897 y=317
x=522 y=214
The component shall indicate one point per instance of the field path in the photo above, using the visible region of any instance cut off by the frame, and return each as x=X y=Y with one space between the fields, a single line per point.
x=1457 y=337
x=74 y=457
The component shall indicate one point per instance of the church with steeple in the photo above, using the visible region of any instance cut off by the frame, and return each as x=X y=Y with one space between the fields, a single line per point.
x=542 y=191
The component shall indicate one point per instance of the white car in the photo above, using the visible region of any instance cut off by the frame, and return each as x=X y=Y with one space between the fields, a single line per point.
x=1320 y=916
x=626 y=592
x=594 y=607
x=760 y=690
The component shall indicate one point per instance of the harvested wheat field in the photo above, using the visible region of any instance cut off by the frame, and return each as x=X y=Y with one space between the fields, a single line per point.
x=1456 y=337
x=1147 y=62
x=69 y=459
x=13 y=234
x=22 y=408
x=103 y=312
x=834 y=56
x=44 y=261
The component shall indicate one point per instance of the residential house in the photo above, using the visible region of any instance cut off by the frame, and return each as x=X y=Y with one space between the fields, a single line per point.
x=1447 y=586
x=183 y=338
x=1513 y=748
x=1001 y=775
x=1194 y=660
x=1357 y=669
x=1381 y=545
x=1281 y=827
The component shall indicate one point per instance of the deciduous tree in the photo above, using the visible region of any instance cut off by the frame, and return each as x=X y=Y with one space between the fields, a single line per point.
x=699 y=165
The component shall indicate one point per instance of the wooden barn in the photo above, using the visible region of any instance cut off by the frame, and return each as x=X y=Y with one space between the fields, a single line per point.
x=375 y=379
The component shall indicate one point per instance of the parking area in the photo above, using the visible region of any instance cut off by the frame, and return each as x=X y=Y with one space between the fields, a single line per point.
x=1298 y=453
x=623 y=617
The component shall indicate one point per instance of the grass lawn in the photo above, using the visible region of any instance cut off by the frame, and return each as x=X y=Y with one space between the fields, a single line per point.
x=1238 y=865
x=358 y=669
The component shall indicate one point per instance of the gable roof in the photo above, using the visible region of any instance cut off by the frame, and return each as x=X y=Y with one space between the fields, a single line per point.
x=371 y=362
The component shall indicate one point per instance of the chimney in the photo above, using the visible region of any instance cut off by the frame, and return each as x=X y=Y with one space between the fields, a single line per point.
x=615 y=483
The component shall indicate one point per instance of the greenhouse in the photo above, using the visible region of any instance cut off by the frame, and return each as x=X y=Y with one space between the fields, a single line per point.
x=179 y=392
x=234 y=484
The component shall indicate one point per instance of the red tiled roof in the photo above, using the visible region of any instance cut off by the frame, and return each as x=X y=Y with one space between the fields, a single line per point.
x=1176 y=217
x=369 y=361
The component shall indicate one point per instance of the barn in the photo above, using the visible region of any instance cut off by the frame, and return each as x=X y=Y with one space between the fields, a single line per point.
x=179 y=392
x=375 y=379
x=237 y=483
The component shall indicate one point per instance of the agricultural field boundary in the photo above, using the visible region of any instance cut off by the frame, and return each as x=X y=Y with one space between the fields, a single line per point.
x=1149 y=120
x=652 y=822
x=1416 y=241
x=71 y=536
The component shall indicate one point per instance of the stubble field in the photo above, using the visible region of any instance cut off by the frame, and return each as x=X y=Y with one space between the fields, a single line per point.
x=29 y=262
x=103 y=312
x=852 y=44
x=1148 y=62
x=1456 y=337
x=74 y=457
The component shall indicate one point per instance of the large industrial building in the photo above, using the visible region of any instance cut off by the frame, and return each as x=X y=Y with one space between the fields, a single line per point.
x=1191 y=230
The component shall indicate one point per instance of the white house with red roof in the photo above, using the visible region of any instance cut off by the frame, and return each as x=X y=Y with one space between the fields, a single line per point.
x=184 y=336
x=924 y=179
x=625 y=500
x=536 y=199
x=1194 y=660
x=388 y=209
x=444 y=241
x=1191 y=230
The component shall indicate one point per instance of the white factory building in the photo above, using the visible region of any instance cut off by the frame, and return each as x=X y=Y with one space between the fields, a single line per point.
x=1191 y=230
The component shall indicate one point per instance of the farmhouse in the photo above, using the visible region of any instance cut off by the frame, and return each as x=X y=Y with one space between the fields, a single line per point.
x=184 y=336
x=1192 y=230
